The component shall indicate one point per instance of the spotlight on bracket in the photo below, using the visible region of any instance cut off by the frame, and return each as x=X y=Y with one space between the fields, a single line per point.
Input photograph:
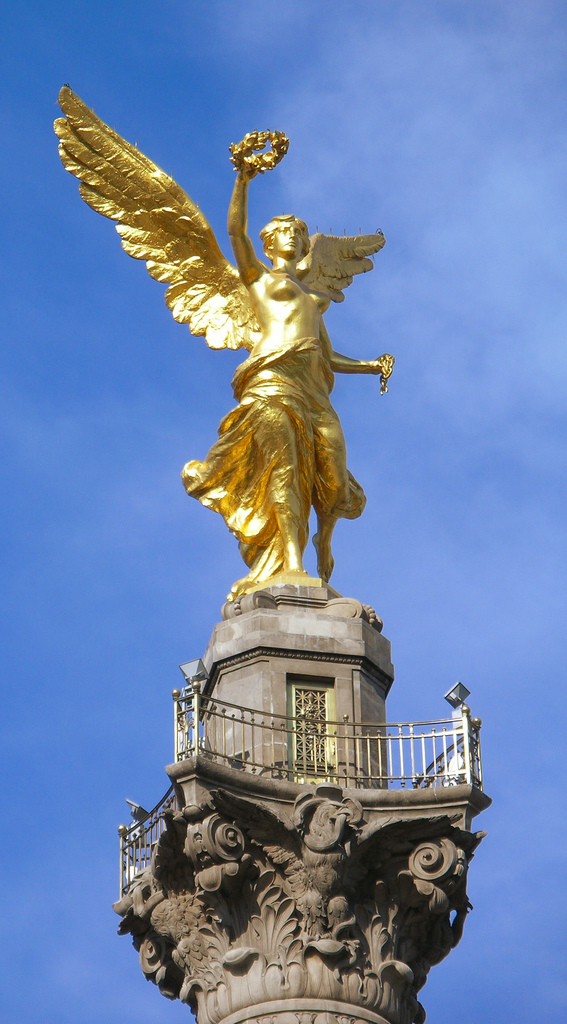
x=194 y=671
x=457 y=695
x=136 y=810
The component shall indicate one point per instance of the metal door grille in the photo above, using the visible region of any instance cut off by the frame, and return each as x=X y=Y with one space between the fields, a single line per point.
x=313 y=749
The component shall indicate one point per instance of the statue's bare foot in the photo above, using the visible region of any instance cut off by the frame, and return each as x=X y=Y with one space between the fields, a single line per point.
x=325 y=560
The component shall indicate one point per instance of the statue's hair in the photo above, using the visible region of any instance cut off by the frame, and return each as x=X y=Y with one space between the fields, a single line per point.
x=267 y=233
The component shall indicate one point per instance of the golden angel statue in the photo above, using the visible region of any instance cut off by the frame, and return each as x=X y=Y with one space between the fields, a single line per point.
x=281 y=451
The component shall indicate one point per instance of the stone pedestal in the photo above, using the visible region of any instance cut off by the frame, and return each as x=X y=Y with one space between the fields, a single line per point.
x=273 y=901
x=284 y=638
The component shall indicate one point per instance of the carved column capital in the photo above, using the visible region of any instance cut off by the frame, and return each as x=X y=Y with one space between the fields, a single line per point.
x=325 y=915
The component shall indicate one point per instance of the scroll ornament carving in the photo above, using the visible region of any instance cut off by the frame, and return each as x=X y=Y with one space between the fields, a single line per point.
x=242 y=906
x=343 y=607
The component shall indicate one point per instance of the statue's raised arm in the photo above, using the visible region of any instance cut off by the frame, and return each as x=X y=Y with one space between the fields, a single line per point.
x=249 y=160
x=281 y=451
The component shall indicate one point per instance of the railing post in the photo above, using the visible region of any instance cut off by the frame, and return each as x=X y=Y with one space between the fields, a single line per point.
x=401 y=754
x=347 y=751
x=466 y=720
x=122 y=830
x=176 y=695
x=196 y=684
x=476 y=724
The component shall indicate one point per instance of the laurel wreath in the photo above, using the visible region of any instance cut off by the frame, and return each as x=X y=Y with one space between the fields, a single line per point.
x=248 y=158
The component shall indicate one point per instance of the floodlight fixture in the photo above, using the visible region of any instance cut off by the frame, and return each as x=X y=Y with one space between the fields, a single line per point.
x=136 y=810
x=457 y=695
x=194 y=670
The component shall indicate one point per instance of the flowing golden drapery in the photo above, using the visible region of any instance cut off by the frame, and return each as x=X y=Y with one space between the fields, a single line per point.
x=279 y=452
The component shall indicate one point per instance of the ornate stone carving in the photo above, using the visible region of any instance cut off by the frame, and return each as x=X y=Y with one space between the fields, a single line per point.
x=319 y=916
x=247 y=603
x=342 y=607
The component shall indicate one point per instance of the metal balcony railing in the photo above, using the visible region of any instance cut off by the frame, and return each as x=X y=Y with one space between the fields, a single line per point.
x=353 y=754
x=445 y=752
x=138 y=840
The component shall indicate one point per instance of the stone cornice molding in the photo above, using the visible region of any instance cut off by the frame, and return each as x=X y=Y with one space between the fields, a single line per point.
x=462 y=802
x=263 y=651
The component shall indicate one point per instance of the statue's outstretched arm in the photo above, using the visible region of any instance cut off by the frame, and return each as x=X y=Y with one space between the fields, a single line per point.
x=248 y=264
x=344 y=364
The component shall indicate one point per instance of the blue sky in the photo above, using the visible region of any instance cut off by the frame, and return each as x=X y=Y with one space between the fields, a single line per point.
x=443 y=123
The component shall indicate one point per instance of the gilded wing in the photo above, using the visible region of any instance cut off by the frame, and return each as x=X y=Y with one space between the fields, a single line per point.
x=159 y=223
x=332 y=261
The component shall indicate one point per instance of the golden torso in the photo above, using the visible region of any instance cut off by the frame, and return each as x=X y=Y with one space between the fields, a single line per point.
x=286 y=311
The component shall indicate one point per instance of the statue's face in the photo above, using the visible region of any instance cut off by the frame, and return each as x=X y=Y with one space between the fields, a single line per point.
x=287 y=241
